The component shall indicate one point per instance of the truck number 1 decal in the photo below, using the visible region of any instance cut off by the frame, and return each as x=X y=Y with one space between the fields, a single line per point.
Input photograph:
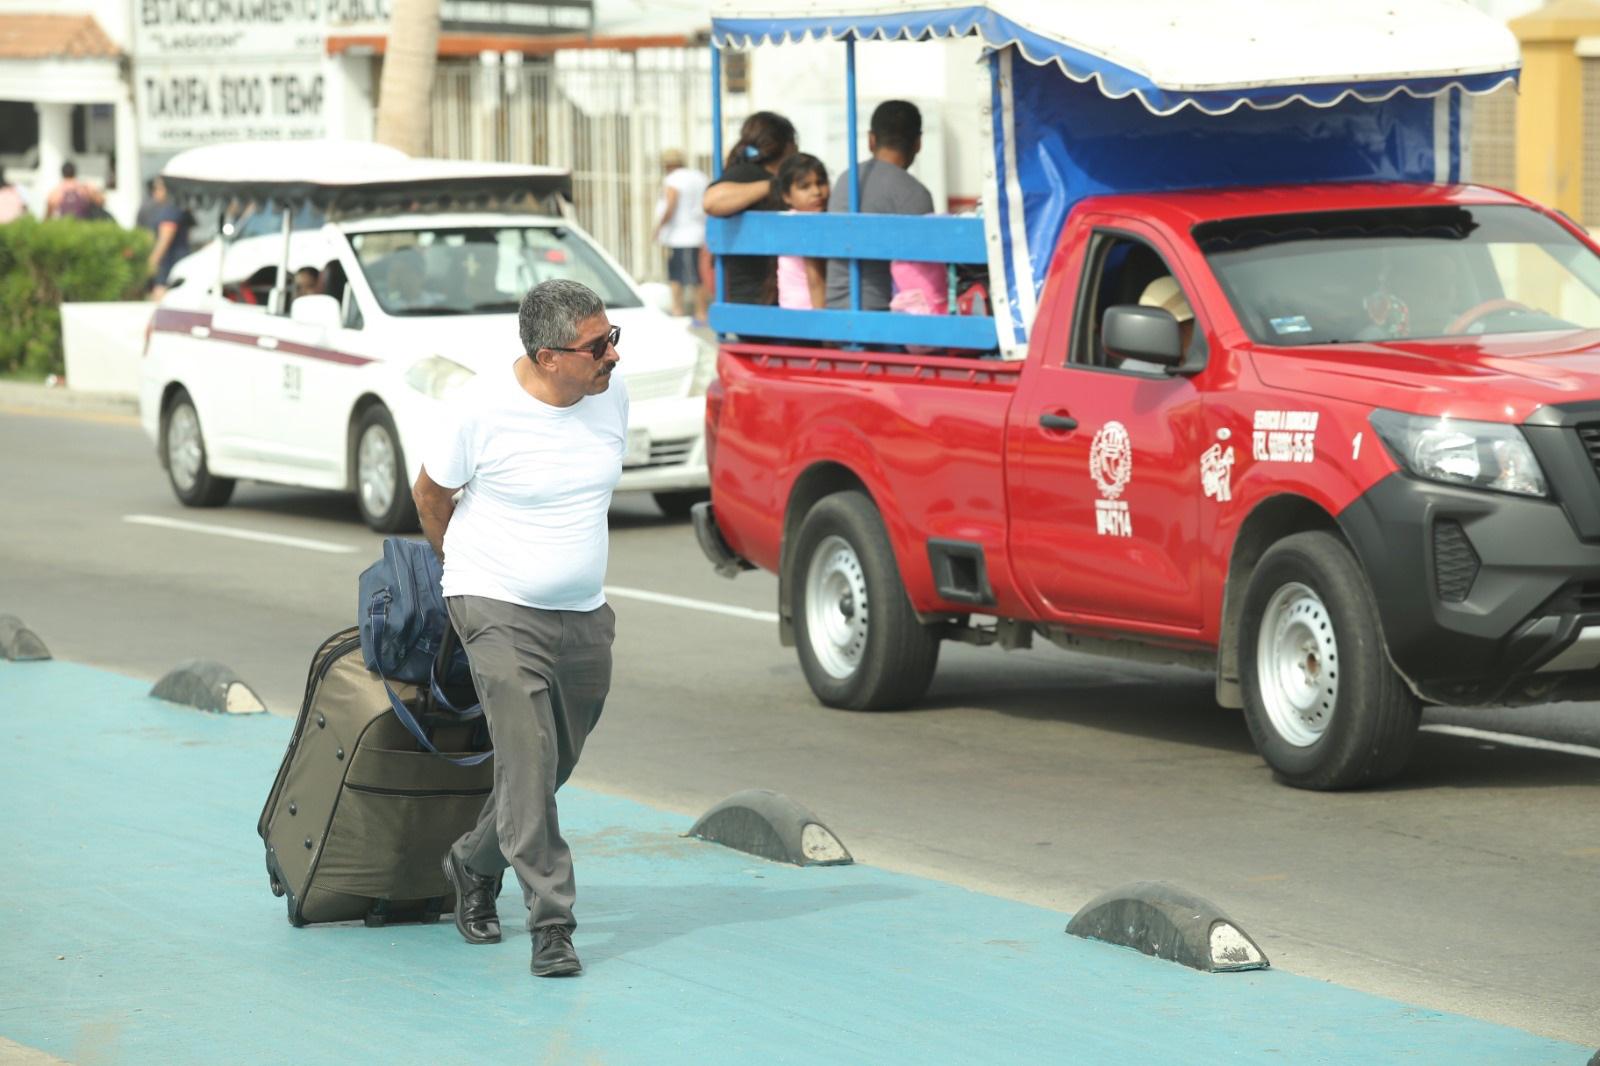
x=1111 y=466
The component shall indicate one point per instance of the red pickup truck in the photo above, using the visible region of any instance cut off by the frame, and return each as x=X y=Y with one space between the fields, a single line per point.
x=1364 y=478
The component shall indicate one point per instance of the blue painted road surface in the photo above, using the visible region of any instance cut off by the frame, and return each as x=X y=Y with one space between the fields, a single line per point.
x=138 y=928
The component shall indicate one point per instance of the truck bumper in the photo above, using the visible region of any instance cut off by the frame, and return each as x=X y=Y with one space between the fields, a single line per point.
x=1485 y=598
x=723 y=559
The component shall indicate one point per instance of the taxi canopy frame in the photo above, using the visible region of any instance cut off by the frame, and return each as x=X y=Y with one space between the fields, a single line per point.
x=344 y=178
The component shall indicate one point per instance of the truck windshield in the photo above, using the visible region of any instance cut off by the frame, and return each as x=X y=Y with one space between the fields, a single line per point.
x=1351 y=276
x=479 y=270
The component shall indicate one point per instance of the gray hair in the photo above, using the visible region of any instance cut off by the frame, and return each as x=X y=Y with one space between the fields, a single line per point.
x=551 y=311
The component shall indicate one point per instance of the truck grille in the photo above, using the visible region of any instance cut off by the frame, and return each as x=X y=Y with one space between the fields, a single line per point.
x=1577 y=597
x=1455 y=564
x=1589 y=434
x=667 y=453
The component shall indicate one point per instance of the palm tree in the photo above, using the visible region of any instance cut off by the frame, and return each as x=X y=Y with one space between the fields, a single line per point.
x=406 y=90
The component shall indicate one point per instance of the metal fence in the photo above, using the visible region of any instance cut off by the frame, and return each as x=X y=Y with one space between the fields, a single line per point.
x=606 y=115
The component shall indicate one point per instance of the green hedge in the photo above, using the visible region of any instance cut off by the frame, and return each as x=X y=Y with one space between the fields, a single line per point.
x=43 y=264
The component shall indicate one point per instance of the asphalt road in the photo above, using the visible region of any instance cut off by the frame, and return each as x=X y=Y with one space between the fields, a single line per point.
x=1044 y=776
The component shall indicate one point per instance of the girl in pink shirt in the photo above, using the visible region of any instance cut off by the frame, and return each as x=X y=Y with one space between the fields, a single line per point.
x=803 y=185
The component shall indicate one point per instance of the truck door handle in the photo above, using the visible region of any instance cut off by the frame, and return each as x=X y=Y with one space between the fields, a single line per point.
x=1053 y=421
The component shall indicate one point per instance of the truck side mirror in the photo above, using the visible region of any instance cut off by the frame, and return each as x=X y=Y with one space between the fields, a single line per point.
x=315 y=309
x=1147 y=333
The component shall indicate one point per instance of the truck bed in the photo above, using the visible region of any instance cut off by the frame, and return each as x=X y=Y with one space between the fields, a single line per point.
x=926 y=431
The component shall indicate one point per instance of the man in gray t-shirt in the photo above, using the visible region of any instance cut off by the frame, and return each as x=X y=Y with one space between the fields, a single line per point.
x=895 y=139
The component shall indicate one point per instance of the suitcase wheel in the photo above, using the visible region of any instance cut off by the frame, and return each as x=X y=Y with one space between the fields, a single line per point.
x=272 y=875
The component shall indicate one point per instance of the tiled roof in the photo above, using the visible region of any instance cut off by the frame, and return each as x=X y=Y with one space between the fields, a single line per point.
x=54 y=37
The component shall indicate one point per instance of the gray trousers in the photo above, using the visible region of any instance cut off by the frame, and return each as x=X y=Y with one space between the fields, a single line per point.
x=543 y=678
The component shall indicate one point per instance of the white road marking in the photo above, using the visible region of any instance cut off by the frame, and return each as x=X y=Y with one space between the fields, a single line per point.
x=1513 y=740
x=241 y=534
x=694 y=605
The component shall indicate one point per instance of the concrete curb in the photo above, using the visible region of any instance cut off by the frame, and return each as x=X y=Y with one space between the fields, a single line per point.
x=55 y=397
x=18 y=643
x=772 y=826
x=208 y=686
x=1168 y=922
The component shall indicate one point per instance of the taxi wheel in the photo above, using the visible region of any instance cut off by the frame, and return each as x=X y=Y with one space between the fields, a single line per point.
x=183 y=447
x=861 y=645
x=677 y=504
x=1325 y=707
x=383 y=495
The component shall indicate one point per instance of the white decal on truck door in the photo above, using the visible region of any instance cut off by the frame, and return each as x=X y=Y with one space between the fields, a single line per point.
x=1111 y=466
x=1216 y=473
x=1285 y=437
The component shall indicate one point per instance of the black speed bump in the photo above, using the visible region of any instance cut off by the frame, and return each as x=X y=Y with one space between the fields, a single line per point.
x=18 y=643
x=1169 y=923
x=210 y=686
x=773 y=826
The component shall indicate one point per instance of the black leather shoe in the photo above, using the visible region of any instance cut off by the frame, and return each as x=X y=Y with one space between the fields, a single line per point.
x=553 y=954
x=476 y=917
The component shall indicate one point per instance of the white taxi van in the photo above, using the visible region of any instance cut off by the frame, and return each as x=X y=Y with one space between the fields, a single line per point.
x=333 y=381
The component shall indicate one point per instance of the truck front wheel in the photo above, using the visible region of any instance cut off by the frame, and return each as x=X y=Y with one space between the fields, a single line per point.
x=1324 y=706
x=861 y=645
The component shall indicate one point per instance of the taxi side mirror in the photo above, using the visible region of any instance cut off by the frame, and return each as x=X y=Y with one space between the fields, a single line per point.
x=315 y=309
x=1147 y=333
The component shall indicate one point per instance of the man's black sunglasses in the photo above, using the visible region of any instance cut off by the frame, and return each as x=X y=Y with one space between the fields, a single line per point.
x=597 y=350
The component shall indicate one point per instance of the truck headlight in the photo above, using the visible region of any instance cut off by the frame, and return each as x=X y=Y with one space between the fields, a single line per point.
x=1481 y=455
x=705 y=367
x=437 y=376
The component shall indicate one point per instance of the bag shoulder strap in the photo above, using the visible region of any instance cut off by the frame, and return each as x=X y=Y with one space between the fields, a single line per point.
x=414 y=727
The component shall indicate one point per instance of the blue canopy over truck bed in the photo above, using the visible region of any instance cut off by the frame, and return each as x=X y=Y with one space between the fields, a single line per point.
x=1086 y=97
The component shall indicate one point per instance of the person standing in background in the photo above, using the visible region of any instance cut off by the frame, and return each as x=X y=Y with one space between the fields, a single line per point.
x=681 y=227
x=72 y=198
x=13 y=204
x=171 y=228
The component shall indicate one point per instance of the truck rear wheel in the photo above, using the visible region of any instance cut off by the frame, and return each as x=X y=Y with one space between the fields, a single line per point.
x=1324 y=706
x=861 y=645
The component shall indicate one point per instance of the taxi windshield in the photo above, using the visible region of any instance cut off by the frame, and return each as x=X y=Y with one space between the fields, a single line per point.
x=479 y=270
x=1406 y=273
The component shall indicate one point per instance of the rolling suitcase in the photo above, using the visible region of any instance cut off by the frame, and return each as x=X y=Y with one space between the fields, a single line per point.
x=359 y=814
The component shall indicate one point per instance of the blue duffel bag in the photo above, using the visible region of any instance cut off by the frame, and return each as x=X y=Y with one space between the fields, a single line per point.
x=406 y=635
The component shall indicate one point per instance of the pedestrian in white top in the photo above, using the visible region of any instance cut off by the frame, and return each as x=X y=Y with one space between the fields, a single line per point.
x=681 y=226
x=537 y=449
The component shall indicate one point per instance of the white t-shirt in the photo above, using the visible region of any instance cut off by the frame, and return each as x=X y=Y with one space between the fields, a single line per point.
x=687 y=226
x=531 y=526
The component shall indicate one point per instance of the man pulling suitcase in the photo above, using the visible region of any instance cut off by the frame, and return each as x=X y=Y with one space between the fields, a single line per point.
x=537 y=447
